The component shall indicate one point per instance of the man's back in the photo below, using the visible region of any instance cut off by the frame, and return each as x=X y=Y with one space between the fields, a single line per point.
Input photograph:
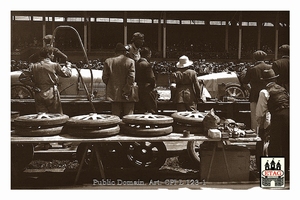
x=253 y=76
x=118 y=73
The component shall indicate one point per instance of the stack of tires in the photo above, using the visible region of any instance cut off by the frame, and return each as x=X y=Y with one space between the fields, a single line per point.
x=93 y=125
x=146 y=125
x=146 y=154
x=188 y=121
x=41 y=124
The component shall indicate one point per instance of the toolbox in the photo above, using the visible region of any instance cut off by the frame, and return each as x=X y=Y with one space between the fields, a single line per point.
x=238 y=159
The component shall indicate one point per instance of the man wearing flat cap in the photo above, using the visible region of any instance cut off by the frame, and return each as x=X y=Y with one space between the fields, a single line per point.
x=281 y=67
x=133 y=49
x=54 y=53
x=253 y=77
x=119 y=77
x=275 y=100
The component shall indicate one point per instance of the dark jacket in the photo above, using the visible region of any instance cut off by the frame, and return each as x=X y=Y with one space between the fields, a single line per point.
x=281 y=67
x=144 y=74
x=279 y=98
x=253 y=76
x=188 y=89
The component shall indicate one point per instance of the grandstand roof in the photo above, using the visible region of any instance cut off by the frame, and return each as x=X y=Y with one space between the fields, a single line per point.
x=250 y=16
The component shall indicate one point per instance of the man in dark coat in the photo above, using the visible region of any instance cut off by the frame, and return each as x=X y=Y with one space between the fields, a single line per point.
x=185 y=86
x=253 y=76
x=119 y=77
x=281 y=67
x=275 y=99
x=146 y=81
x=55 y=54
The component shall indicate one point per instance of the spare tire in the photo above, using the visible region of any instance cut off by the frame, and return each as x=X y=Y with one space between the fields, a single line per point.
x=41 y=119
x=146 y=132
x=93 y=119
x=37 y=131
x=188 y=117
x=148 y=119
x=88 y=132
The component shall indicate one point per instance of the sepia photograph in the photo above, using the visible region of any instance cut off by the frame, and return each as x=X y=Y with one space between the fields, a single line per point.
x=150 y=99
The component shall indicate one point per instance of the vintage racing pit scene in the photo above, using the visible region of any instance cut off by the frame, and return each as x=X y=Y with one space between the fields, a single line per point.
x=89 y=147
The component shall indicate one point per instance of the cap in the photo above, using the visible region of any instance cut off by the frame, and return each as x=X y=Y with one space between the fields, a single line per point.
x=259 y=55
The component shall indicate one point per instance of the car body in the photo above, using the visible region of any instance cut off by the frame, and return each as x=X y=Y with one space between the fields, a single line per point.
x=223 y=84
x=70 y=88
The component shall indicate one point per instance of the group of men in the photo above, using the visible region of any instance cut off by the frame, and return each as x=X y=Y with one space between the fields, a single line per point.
x=129 y=78
x=270 y=102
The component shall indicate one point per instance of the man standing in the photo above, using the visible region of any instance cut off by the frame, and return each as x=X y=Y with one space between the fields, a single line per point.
x=281 y=67
x=146 y=82
x=275 y=99
x=43 y=78
x=119 y=77
x=185 y=86
x=55 y=54
x=253 y=76
x=133 y=49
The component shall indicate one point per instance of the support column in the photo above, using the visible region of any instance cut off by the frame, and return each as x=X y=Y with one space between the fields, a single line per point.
x=89 y=35
x=165 y=36
x=226 y=37
x=240 y=37
x=159 y=48
x=44 y=28
x=276 y=35
x=125 y=28
x=85 y=33
x=258 y=34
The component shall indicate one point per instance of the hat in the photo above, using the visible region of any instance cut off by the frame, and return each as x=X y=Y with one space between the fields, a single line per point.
x=48 y=37
x=268 y=74
x=285 y=49
x=259 y=55
x=137 y=36
x=184 y=62
x=120 y=47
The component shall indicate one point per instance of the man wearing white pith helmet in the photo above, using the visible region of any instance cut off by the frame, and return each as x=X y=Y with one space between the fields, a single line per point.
x=185 y=88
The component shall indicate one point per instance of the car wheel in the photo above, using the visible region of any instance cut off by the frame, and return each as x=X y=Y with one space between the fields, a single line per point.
x=41 y=119
x=235 y=91
x=38 y=131
x=193 y=149
x=93 y=132
x=189 y=117
x=146 y=154
x=93 y=119
x=148 y=119
x=21 y=92
x=146 y=131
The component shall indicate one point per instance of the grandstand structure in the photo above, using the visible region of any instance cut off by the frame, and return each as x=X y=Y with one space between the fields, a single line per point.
x=207 y=35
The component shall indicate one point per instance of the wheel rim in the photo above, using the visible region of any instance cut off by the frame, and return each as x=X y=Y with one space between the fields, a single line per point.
x=146 y=154
x=41 y=119
x=193 y=148
x=93 y=119
x=147 y=119
x=20 y=92
x=235 y=91
x=189 y=117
